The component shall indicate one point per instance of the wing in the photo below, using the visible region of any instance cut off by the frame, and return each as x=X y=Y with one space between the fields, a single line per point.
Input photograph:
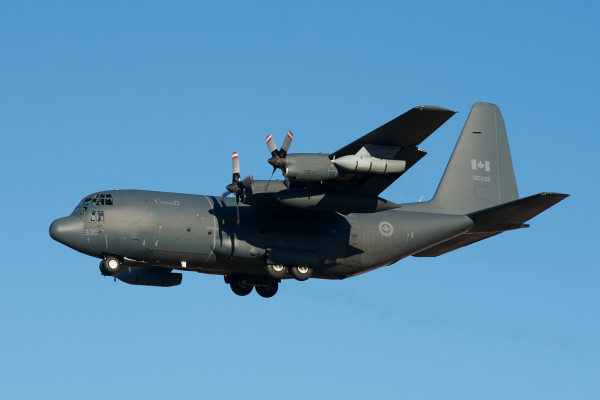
x=398 y=138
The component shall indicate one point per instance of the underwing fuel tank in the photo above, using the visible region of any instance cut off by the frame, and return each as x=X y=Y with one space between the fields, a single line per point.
x=374 y=165
x=341 y=202
x=149 y=278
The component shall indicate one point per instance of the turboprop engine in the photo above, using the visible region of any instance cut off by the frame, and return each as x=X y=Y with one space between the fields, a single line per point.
x=312 y=167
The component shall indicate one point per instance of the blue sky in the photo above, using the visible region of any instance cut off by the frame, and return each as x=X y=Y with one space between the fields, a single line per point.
x=150 y=95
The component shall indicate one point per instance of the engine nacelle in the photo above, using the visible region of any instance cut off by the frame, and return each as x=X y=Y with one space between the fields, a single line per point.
x=309 y=167
x=149 y=278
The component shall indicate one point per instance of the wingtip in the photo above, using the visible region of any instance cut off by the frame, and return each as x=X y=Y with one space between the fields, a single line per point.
x=434 y=108
x=554 y=194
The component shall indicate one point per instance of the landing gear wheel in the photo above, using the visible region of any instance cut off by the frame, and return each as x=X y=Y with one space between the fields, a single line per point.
x=267 y=290
x=277 y=271
x=301 y=273
x=110 y=266
x=103 y=271
x=240 y=287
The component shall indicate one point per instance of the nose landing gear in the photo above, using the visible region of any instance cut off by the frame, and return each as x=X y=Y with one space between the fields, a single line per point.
x=110 y=266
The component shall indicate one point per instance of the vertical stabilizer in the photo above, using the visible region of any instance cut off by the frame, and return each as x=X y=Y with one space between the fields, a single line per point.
x=480 y=172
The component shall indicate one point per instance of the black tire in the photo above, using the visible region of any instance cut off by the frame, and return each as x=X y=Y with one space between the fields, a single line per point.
x=240 y=287
x=103 y=271
x=268 y=290
x=277 y=271
x=301 y=273
x=110 y=266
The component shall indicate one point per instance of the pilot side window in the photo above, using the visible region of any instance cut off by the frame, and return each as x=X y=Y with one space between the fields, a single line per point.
x=97 y=216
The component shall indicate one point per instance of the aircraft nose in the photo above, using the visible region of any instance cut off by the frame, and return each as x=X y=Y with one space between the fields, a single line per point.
x=67 y=230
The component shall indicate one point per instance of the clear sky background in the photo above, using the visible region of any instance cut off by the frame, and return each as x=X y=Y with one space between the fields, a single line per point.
x=156 y=95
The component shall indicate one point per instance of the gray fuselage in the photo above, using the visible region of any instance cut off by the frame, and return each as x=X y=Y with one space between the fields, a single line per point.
x=200 y=233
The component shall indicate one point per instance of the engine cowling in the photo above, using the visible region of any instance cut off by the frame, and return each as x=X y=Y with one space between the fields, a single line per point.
x=309 y=167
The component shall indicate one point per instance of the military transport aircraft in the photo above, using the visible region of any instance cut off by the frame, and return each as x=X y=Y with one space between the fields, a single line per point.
x=325 y=220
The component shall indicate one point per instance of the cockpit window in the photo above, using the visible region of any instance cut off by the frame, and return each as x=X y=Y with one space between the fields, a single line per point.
x=100 y=199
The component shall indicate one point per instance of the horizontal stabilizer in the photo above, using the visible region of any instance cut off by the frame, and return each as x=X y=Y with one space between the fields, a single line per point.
x=513 y=214
x=495 y=220
x=454 y=243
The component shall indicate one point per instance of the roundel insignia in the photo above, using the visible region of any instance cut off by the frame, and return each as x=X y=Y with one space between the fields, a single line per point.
x=386 y=229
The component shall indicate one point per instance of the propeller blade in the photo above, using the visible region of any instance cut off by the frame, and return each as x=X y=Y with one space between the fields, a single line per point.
x=271 y=145
x=247 y=181
x=286 y=144
x=237 y=208
x=235 y=163
x=269 y=181
x=224 y=194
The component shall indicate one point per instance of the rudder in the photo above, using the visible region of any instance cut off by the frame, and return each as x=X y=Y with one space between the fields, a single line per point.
x=480 y=172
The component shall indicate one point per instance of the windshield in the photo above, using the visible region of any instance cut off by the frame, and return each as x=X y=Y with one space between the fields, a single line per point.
x=99 y=199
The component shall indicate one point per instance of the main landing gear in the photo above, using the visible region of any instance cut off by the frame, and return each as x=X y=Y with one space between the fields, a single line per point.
x=301 y=273
x=298 y=272
x=266 y=286
x=242 y=286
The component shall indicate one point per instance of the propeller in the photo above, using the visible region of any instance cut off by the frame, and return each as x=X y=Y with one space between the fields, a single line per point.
x=277 y=159
x=237 y=185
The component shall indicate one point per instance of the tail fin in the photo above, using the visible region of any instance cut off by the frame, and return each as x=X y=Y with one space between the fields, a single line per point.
x=480 y=172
